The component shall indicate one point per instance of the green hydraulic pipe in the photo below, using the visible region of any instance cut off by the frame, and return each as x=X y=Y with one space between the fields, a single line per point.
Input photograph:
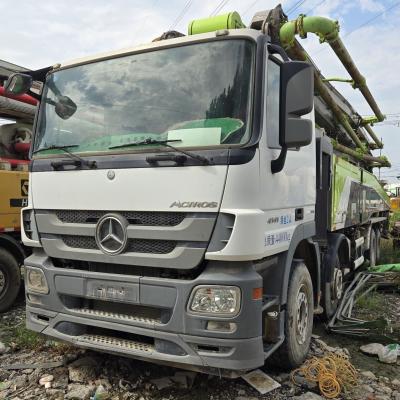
x=328 y=30
x=365 y=157
x=373 y=136
x=298 y=53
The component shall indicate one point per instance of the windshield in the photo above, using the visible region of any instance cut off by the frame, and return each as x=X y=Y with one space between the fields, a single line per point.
x=198 y=95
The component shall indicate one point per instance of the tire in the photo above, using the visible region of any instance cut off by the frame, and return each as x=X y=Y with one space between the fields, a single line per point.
x=10 y=280
x=378 y=246
x=332 y=292
x=372 y=249
x=300 y=307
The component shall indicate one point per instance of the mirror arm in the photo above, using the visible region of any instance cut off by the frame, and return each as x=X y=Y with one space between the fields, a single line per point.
x=278 y=164
x=275 y=49
x=39 y=74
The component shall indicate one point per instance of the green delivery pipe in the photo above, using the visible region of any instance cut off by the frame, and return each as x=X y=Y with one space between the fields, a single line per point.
x=376 y=161
x=299 y=54
x=373 y=136
x=328 y=30
x=362 y=136
x=296 y=52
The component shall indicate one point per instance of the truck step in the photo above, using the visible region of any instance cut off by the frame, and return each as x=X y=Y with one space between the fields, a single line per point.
x=129 y=345
x=116 y=316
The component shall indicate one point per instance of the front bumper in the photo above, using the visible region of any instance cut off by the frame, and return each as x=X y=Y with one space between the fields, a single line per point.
x=78 y=309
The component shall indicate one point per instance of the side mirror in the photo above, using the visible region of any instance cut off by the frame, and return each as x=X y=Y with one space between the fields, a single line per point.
x=18 y=84
x=297 y=99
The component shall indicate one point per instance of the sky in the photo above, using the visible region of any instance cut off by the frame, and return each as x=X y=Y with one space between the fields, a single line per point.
x=37 y=34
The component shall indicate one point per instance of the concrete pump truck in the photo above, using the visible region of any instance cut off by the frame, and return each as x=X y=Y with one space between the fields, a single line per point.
x=195 y=201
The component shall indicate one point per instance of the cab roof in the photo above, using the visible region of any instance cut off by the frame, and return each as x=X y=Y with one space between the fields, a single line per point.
x=250 y=34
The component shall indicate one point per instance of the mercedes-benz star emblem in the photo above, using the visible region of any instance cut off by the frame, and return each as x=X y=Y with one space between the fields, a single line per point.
x=110 y=174
x=111 y=234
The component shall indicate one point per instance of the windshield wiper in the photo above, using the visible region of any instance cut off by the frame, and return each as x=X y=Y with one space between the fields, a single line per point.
x=166 y=142
x=55 y=147
x=77 y=161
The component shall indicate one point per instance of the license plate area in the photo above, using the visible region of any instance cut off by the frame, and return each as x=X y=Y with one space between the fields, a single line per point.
x=112 y=291
x=100 y=289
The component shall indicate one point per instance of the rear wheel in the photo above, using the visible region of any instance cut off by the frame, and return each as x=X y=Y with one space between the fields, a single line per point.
x=378 y=246
x=333 y=291
x=10 y=279
x=298 y=321
x=372 y=249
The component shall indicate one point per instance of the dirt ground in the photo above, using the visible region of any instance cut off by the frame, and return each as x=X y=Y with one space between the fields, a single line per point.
x=80 y=373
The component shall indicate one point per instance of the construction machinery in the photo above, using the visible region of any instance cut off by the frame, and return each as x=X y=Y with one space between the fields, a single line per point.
x=16 y=114
x=209 y=194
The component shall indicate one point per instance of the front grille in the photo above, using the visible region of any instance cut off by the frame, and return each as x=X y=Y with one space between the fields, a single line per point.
x=80 y=242
x=151 y=246
x=147 y=218
x=133 y=246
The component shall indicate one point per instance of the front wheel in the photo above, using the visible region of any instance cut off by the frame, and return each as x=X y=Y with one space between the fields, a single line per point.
x=299 y=319
x=10 y=280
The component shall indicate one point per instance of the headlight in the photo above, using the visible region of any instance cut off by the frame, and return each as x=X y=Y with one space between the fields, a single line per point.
x=36 y=281
x=215 y=300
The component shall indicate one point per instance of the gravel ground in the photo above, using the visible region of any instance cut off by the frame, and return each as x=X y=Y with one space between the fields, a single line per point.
x=80 y=374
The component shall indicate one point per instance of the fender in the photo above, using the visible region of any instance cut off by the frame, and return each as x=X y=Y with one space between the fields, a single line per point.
x=338 y=244
x=316 y=275
x=14 y=247
x=302 y=232
x=276 y=269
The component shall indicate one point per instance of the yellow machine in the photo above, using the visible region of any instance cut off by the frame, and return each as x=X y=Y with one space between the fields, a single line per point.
x=16 y=119
x=13 y=196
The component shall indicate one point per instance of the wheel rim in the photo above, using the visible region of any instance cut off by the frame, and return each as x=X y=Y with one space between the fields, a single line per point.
x=337 y=284
x=301 y=315
x=2 y=281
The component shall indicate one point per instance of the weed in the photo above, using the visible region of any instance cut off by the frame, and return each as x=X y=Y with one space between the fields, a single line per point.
x=18 y=336
x=389 y=255
x=371 y=302
x=394 y=216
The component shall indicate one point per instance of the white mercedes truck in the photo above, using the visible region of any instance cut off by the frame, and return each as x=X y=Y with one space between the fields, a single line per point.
x=195 y=201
